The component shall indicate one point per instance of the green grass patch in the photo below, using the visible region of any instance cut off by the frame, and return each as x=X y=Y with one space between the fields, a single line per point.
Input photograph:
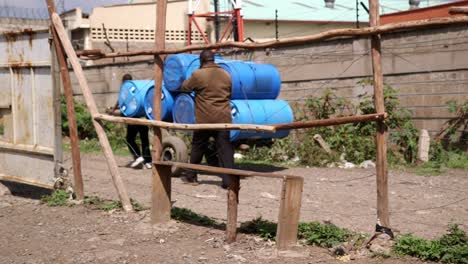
x=56 y=198
x=430 y=168
x=93 y=146
x=450 y=248
x=457 y=160
x=60 y=198
x=313 y=233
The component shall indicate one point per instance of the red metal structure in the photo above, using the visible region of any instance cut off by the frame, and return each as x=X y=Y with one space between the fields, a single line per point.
x=234 y=26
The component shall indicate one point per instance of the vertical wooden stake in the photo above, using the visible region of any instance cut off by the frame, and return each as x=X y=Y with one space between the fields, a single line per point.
x=381 y=137
x=290 y=208
x=161 y=192
x=88 y=96
x=233 y=201
x=67 y=88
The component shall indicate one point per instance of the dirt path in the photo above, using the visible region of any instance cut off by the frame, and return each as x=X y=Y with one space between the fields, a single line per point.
x=34 y=233
x=420 y=205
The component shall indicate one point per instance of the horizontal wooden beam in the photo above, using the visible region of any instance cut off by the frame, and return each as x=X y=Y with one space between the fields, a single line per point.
x=346 y=32
x=331 y=121
x=218 y=170
x=170 y=125
x=459 y=10
x=23 y=180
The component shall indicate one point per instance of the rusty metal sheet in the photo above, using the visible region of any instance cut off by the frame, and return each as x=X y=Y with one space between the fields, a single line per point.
x=24 y=47
x=28 y=96
x=5 y=91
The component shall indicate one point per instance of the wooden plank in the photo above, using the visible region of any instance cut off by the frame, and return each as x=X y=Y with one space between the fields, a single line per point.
x=290 y=208
x=67 y=90
x=161 y=193
x=91 y=104
x=383 y=215
x=331 y=121
x=233 y=202
x=218 y=170
x=459 y=10
x=23 y=180
x=347 y=32
x=170 y=125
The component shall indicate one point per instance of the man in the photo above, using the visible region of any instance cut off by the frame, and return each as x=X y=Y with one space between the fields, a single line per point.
x=132 y=132
x=212 y=86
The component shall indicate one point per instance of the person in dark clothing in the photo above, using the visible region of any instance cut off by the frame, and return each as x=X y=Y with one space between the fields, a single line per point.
x=212 y=86
x=143 y=156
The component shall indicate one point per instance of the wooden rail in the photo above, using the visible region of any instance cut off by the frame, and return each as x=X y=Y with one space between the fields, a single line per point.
x=347 y=32
x=175 y=126
x=331 y=121
x=290 y=200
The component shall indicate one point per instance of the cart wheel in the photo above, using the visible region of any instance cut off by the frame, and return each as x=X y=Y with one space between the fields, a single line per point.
x=174 y=149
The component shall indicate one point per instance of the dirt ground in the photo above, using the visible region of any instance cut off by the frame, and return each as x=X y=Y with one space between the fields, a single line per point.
x=34 y=233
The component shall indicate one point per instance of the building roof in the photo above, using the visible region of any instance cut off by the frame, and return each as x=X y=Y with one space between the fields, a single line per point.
x=315 y=10
x=422 y=13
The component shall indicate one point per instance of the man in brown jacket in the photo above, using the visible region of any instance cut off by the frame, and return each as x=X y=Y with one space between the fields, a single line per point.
x=212 y=86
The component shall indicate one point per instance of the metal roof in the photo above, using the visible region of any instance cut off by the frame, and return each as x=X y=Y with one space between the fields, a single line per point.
x=315 y=10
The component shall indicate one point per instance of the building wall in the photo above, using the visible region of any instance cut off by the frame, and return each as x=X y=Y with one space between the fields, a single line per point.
x=136 y=22
x=266 y=30
x=427 y=67
x=12 y=23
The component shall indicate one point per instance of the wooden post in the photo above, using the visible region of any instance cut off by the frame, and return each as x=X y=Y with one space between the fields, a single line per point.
x=67 y=89
x=88 y=96
x=161 y=192
x=290 y=208
x=381 y=137
x=233 y=201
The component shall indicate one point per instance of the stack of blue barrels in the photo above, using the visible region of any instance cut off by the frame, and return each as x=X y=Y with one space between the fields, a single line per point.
x=255 y=88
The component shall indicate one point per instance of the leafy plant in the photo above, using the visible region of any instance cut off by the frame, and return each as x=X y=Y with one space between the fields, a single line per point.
x=323 y=235
x=86 y=132
x=56 y=198
x=459 y=122
x=355 y=141
x=450 y=248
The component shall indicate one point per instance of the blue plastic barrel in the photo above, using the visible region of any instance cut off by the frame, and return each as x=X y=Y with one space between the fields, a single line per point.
x=253 y=80
x=183 y=110
x=175 y=69
x=167 y=101
x=195 y=65
x=260 y=112
x=132 y=96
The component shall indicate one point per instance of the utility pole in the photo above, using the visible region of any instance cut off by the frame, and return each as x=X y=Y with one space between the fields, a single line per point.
x=216 y=19
x=276 y=23
x=357 y=13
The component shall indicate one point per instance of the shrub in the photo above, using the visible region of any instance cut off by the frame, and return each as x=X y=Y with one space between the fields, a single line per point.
x=450 y=248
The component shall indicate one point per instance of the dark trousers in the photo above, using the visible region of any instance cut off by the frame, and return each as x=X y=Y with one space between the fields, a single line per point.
x=223 y=154
x=132 y=132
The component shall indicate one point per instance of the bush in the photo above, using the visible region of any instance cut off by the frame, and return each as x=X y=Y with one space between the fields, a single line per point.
x=355 y=141
x=450 y=248
x=87 y=133
x=323 y=235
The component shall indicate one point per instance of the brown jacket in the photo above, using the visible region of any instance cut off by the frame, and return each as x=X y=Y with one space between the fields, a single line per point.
x=212 y=86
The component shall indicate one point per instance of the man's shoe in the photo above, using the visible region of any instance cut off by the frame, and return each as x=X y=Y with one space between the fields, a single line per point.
x=137 y=162
x=148 y=165
x=189 y=180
